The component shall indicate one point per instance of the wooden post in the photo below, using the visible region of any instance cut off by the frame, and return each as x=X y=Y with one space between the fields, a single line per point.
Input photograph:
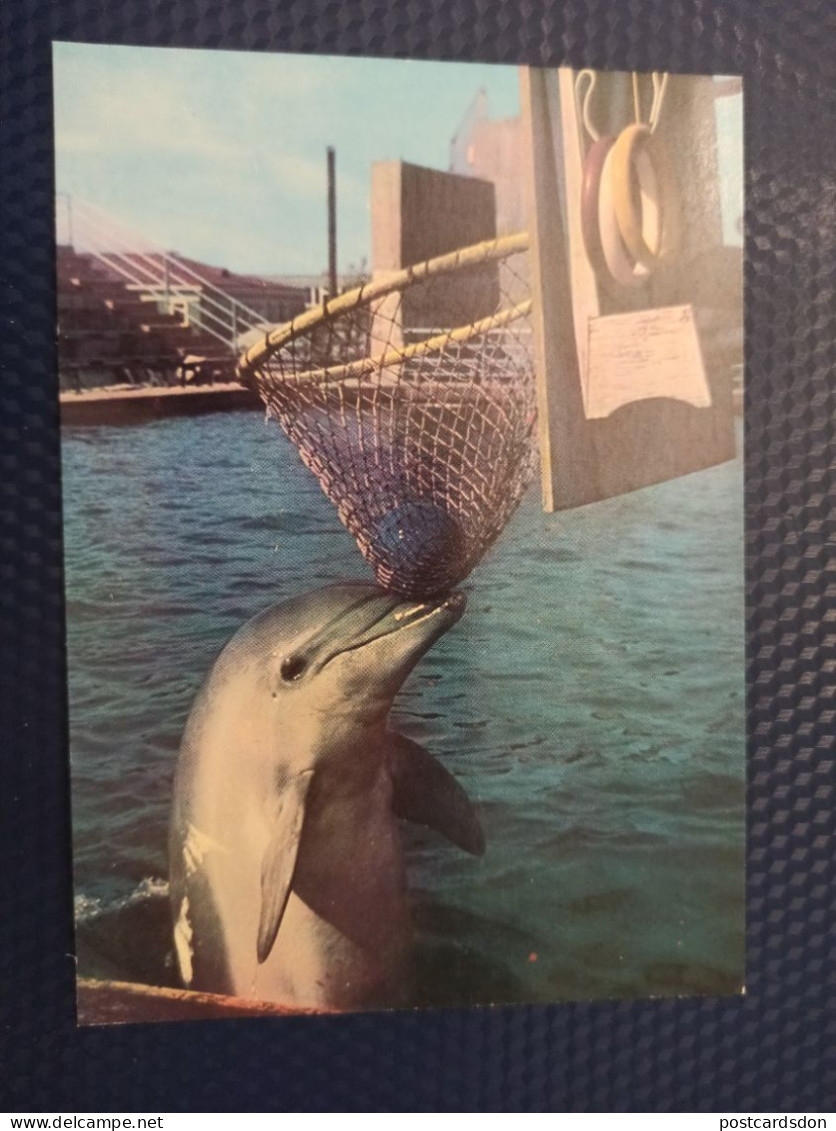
x=332 y=222
x=565 y=461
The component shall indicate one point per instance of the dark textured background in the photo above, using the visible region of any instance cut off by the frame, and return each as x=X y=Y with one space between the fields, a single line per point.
x=773 y=1049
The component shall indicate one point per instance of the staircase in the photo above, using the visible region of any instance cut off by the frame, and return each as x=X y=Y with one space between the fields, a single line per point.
x=110 y=334
x=131 y=313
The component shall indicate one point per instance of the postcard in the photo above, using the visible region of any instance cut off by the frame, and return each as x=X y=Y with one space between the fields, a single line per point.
x=401 y=424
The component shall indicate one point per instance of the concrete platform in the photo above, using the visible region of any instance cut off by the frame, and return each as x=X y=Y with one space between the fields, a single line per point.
x=127 y=404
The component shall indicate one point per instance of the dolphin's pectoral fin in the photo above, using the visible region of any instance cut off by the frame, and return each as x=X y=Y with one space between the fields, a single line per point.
x=279 y=861
x=427 y=794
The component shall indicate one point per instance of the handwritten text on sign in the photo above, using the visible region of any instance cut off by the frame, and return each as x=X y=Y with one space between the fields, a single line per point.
x=644 y=354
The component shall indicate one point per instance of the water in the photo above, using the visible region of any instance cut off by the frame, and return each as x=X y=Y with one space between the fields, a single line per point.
x=591 y=701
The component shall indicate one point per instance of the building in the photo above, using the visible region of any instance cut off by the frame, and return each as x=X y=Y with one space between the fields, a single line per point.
x=492 y=150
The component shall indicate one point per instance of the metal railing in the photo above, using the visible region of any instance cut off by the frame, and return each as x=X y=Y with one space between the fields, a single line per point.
x=158 y=276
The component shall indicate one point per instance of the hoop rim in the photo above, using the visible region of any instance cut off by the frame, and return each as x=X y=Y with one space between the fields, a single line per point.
x=364 y=366
x=471 y=256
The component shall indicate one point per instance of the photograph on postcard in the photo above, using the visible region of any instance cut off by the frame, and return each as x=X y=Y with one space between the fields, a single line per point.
x=401 y=425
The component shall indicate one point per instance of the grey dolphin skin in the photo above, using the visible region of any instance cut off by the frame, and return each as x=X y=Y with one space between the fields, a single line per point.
x=287 y=874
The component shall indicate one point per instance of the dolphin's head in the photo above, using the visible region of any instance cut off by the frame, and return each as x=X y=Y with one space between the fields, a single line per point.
x=341 y=652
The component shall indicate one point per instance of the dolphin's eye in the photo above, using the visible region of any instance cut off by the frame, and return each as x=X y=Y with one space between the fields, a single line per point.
x=292 y=667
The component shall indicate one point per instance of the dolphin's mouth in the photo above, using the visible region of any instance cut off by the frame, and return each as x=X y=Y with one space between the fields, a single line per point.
x=409 y=615
x=401 y=616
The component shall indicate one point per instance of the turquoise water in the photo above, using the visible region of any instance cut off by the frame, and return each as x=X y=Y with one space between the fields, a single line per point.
x=591 y=701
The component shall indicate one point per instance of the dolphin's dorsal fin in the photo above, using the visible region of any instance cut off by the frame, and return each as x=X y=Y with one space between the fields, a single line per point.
x=426 y=793
x=279 y=861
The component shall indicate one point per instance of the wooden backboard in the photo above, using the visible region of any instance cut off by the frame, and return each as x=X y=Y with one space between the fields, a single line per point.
x=626 y=398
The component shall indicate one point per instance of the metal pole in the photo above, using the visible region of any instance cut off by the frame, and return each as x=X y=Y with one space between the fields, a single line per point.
x=332 y=223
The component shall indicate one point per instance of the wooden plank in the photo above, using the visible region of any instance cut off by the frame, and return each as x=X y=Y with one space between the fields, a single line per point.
x=624 y=396
x=121 y=1003
x=567 y=469
x=560 y=88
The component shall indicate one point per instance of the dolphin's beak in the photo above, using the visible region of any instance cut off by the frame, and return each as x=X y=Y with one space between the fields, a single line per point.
x=430 y=619
x=409 y=627
x=426 y=620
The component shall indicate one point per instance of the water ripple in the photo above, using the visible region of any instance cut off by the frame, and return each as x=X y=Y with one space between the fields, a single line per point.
x=591 y=700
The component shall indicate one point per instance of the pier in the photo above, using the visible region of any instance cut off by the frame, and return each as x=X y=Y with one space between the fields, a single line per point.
x=123 y=404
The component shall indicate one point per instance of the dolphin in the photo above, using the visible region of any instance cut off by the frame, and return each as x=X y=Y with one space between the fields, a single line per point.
x=287 y=873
